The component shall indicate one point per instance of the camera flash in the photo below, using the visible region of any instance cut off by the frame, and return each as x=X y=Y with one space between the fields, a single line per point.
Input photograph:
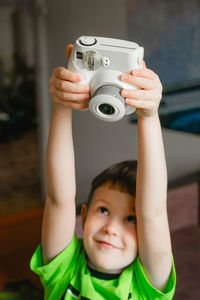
x=92 y=60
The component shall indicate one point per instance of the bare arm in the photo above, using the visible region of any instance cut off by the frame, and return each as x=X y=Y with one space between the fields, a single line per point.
x=59 y=213
x=152 y=222
x=152 y=227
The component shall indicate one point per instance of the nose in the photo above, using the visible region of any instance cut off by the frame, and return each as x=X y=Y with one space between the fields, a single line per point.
x=111 y=227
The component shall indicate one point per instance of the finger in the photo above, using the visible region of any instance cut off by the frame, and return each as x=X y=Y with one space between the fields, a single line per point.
x=68 y=51
x=70 y=87
x=68 y=96
x=140 y=82
x=141 y=94
x=71 y=104
x=141 y=104
x=65 y=74
x=146 y=73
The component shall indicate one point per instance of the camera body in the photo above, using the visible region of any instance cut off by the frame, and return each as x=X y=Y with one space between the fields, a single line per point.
x=101 y=61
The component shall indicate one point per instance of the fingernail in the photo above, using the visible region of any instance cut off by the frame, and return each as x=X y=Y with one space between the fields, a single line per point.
x=87 y=88
x=80 y=77
x=125 y=77
x=128 y=101
x=124 y=93
x=135 y=72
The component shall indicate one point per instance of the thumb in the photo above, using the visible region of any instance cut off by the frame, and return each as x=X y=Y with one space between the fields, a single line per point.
x=144 y=64
x=68 y=51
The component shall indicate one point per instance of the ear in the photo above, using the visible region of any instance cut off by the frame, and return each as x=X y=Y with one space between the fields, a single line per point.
x=68 y=51
x=83 y=214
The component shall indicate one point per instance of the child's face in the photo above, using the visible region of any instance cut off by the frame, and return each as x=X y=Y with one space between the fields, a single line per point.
x=110 y=230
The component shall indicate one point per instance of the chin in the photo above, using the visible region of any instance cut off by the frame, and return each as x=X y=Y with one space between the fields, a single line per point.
x=105 y=265
x=108 y=261
x=107 y=269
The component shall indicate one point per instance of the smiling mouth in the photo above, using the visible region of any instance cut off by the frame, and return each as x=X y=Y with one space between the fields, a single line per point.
x=106 y=245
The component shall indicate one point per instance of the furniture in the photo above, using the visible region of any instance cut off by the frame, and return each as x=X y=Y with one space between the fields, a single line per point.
x=184 y=219
x=19 y=236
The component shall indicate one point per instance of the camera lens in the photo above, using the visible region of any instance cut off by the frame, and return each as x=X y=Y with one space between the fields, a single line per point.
x=106 y=109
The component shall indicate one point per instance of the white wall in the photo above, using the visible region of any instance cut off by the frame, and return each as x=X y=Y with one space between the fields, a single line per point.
x=99 y=144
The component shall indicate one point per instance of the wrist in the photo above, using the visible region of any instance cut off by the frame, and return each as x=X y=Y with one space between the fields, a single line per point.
x=148 y=118
x=61 y=113
x=56 y=106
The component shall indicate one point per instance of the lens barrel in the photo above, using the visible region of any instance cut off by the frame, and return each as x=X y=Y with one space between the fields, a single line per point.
x=107 y=104
x=106 y=109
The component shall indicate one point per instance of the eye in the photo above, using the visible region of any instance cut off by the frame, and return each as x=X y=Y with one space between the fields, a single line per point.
x=103 y=210
x=131 y=219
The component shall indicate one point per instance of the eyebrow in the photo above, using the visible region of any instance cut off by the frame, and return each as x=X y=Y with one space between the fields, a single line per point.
x=106 y=202
x=101 y=200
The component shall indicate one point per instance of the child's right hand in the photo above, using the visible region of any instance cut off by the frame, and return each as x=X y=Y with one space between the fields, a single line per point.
x=65 y=90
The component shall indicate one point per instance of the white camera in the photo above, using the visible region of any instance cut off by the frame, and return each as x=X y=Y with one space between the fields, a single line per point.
x=101 y=61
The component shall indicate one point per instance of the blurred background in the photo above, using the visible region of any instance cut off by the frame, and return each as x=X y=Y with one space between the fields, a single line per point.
x=34 y=35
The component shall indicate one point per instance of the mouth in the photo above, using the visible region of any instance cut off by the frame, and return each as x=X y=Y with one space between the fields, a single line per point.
x=106 y=245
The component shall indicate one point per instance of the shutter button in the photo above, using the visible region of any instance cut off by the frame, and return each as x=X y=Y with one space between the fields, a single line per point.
x=87 y=41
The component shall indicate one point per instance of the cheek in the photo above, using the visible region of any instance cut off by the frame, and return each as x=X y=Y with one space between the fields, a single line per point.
x=92 y=225
x=130 y=235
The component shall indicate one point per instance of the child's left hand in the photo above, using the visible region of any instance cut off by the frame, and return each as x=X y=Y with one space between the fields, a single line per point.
x=147 y=98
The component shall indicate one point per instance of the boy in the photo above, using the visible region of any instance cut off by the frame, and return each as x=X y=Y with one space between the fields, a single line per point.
x=118 y=258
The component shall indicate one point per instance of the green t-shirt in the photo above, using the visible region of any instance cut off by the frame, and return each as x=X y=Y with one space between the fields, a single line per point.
x=68 y=277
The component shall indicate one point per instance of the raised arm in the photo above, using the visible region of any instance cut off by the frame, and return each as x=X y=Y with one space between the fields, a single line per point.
x=151 y=191
x=59 y=213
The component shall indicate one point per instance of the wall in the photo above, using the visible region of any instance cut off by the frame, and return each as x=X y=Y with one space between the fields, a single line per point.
x=6 y=48
x=99 y=144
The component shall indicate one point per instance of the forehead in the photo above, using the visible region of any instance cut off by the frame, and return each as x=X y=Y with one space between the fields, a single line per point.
x=113 y=197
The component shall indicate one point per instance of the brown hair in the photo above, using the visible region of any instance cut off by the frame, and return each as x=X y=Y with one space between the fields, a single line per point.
x=121 y=176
